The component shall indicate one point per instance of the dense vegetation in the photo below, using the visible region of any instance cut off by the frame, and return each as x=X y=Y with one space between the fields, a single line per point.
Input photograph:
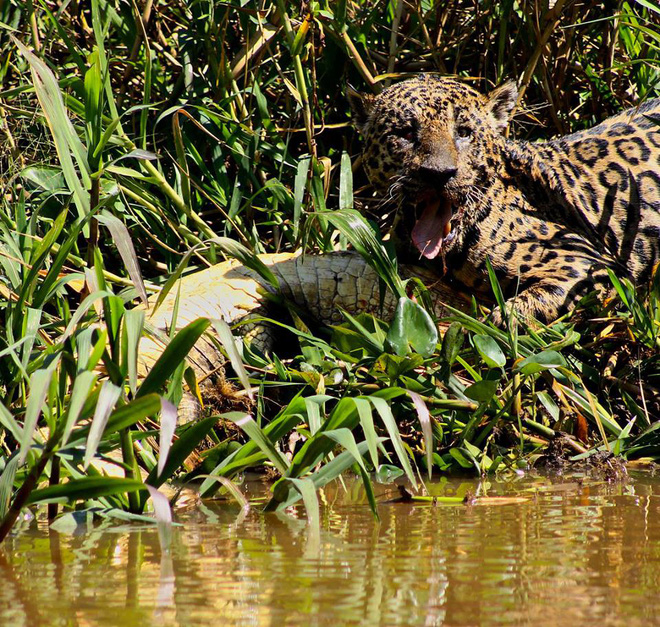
x=136 y=136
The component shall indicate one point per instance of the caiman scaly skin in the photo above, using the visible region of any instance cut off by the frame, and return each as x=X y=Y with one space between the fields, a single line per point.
x=320 y=285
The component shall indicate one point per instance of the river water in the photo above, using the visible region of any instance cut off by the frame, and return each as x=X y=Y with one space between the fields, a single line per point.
x=563 y=550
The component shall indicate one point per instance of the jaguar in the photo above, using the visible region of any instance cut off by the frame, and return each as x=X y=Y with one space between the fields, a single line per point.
x=551 y=216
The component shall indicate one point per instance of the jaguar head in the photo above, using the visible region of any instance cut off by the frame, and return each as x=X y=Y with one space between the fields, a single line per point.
x=431 y=145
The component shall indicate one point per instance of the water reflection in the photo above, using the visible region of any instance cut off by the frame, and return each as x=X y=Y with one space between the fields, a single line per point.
x=569 y=551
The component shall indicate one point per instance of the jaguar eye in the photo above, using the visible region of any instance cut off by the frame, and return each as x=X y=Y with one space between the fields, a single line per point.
x=464 y=132
x=407 y=133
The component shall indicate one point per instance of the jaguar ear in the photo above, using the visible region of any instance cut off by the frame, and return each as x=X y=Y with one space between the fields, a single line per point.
x=501 y=103
x=361 y=105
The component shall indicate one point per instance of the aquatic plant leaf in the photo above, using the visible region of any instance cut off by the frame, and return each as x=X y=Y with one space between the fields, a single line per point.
x=345 y=183
x=392 y=429
x=452 y=342
x=7 y=484
x=545 y=360
x=412 y=326
x=482 y=391
x=230 y=486
x=307 y=490
x=387 y=473
x=363 y=407
x=489 y=350
x=246 y=257
x=187 y=441
x=122 y=240
x=284 y=494
x=345 y=439
x=133 y=327
x=352 y=225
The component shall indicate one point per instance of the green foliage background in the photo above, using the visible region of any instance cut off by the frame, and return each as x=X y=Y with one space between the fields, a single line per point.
x=135 y=132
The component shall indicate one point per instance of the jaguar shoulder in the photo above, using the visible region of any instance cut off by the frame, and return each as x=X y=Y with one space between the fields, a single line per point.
x=551 y=216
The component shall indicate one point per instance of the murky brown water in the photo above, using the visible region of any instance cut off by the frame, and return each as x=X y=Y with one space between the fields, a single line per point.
x=569 y=552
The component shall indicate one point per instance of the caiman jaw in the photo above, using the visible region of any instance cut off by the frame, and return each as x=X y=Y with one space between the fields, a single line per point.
x=433 y=228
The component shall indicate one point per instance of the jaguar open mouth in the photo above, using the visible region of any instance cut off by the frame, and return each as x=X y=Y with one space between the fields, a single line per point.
x=432 y=229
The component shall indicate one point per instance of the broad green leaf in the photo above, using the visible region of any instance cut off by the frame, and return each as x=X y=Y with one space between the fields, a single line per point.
x=482 y=391
x=65 y=138
x=163 y=514
x=452 y=342
x=46 y=177
x=8 y=421
x=230 y=486
x=188 y=440
x=345 y=439
x=122 y=239
x=352 y=225
x=307 y=490
x=387 y=473
x=284 y=494
x=412 y=326
x=300 y=184
x=247 y=258
x=489 y=350
x=345 y=183
x=545 y=360
x=363 y=407
x=126 y=416
x=133 y=326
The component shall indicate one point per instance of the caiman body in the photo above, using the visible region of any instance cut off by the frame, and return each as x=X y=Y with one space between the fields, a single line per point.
x=322 y=286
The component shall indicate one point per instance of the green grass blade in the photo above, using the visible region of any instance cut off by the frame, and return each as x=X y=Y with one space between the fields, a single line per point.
x=133 y=327
x=175 y=352
x=39 y=384
x=122 y=239
x=363 y=238
x=393 y=430
x=108 y=396
x=168 y=416
x=424 y=417
x=252 y=430
x=81 y=388
x=85 y=488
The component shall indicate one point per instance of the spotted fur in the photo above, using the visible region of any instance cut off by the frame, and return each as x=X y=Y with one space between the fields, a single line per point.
x=551 y=216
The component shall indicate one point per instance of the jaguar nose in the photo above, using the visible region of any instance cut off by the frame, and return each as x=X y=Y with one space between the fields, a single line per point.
x=436 y=176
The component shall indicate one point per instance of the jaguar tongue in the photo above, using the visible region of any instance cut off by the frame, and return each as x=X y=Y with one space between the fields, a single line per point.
x=432 y=227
